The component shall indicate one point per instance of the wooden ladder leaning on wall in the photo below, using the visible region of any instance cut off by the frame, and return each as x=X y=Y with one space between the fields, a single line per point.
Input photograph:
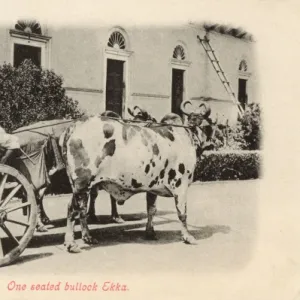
x=221 y=74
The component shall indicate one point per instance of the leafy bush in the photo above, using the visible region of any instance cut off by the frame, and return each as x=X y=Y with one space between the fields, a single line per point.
x=245 y=135
x=228 y=165
x=250 y=126
x=29 y=94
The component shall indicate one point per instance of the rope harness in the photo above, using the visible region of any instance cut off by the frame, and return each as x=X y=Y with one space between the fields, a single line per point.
x=149 y=124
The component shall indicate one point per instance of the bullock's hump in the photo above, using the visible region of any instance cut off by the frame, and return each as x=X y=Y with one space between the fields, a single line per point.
x=111 y=114
x=172 y=118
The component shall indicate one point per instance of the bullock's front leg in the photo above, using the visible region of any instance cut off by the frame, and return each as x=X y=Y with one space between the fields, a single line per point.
x=181 y=207
x=151 y=211
x=70 y=243
x=82 y=200
x=114 y=211
x=92 y=218
x=77 y=208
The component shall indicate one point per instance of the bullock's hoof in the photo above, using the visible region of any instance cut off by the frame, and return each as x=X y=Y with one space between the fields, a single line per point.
x=189 y=239
x=72 y=248
x=90 y=240
x=121 y=202
x=151 y=236
x=117 y=220
x=41 y=228
x=92 y=219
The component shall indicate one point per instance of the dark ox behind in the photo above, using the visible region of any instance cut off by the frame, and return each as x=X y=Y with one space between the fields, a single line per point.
x=126 y=159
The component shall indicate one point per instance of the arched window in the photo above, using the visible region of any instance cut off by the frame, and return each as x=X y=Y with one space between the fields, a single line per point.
x=116 y=41
x=29 y=42
x=28 y=26
x=243 y=66
x=179 y=53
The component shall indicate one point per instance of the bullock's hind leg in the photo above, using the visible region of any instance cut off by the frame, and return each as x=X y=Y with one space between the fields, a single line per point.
x=45 y=218
x=40 y=226
x=181 y=207
x=151 y=211
x=114 y=211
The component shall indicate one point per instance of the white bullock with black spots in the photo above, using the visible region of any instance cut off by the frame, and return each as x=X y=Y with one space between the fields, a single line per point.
x=141 y=117
x=125 y=159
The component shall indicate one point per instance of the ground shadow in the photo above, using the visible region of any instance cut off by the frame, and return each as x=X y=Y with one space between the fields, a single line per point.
x=106 y=219
x=51 y=239
x=130 y=233
x=114 y=236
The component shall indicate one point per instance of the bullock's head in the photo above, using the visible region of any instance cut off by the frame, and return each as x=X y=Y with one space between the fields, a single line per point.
x=200 y=124
x=140 y=114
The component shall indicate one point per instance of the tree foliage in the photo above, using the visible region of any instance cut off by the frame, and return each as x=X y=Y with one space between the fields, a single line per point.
x=29 y=94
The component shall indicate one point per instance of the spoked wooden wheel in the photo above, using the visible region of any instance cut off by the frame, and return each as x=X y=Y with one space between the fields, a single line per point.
x=18 y=214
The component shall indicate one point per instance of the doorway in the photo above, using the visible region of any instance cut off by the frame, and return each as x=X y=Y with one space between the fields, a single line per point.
x=177 y=90
x=22 y=52
x=115 y=86
x=242 y=92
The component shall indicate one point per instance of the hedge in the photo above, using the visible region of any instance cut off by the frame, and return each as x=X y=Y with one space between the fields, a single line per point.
x=213 y=166
x=228 y=165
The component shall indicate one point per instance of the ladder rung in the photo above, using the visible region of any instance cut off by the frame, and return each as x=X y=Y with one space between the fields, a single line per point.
x=208 y=48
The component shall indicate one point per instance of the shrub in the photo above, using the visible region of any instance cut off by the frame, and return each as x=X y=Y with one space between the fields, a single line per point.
x=228 y=165
x=250 y=126
x=29 y=94
x=245 y=135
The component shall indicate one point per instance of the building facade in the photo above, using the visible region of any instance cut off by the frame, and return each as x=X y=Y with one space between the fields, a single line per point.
x=155 y=68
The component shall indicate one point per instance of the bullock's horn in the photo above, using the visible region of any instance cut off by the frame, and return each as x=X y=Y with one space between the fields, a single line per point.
x=137 y=107
x=207 y=109
x=182 y=107
x=130 y=112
